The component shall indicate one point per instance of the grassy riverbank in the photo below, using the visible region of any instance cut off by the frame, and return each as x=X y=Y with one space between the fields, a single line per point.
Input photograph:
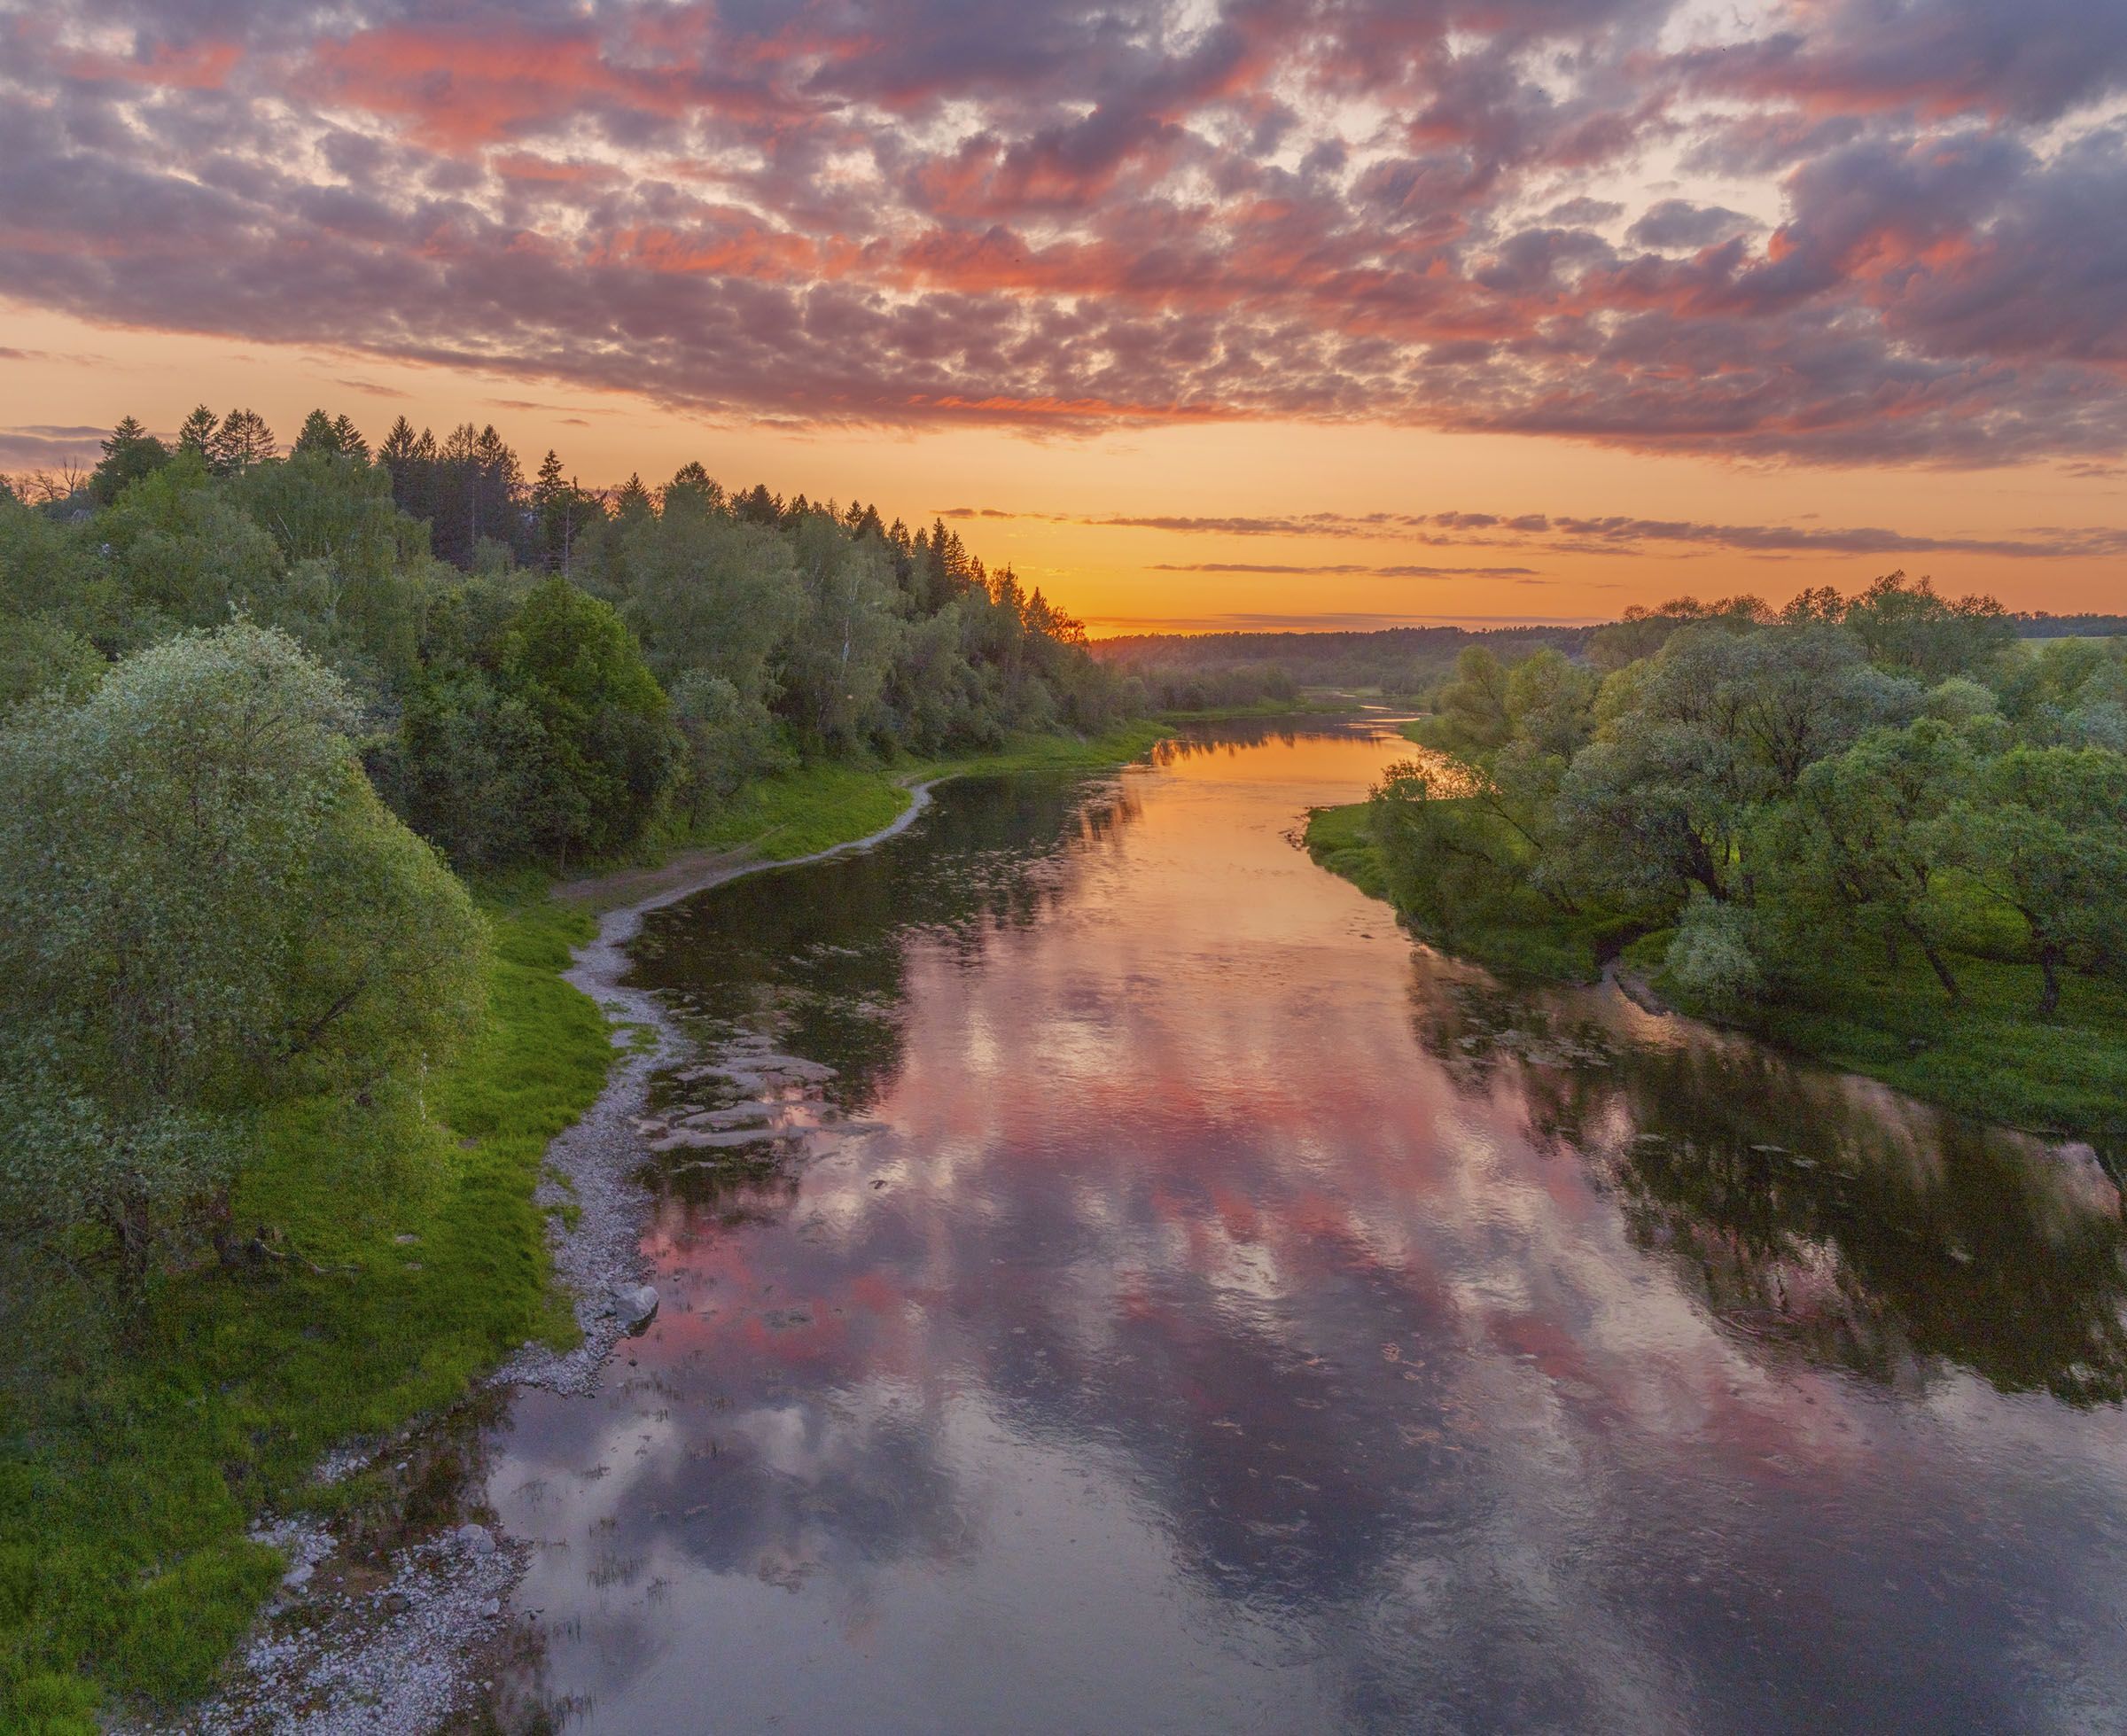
x=407 y=1258
x=819 y=807
x=1989 y=1056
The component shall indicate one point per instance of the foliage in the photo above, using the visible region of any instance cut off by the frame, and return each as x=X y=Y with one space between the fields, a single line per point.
x=1771 y=790
x=202 y=907
x=139 y=1464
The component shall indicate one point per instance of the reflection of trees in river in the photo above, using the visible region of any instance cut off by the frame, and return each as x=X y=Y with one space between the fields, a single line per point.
x=1208 y=741
x=1811 y=1210
x=819 y=952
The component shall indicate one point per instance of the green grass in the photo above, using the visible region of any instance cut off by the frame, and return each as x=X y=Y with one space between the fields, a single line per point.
x=799 y=812
x=1548 y=945
x=1990 y=1056
x=829 y=803
x=1337 y=838
x=131 y=1478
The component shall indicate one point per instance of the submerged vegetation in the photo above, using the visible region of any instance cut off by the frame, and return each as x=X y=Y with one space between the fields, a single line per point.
x=273 y=1085
x=1876 y=828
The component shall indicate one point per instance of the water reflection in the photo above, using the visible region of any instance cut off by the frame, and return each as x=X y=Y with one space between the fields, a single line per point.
x=1221 y=1317
x=1814 y=1212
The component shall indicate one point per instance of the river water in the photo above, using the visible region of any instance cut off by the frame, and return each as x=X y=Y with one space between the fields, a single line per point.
x=1201 y=1309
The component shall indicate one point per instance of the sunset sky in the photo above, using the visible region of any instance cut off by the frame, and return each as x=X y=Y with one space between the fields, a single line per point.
x=1201 y=313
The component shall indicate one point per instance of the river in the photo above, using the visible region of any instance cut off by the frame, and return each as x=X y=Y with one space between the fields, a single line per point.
x=1192 y=1306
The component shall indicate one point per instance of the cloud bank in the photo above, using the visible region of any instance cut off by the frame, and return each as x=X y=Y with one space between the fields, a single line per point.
x=1828 y=231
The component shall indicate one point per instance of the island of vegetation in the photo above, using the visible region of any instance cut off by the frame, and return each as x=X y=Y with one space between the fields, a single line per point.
x=1882 y=830
x=292 y=748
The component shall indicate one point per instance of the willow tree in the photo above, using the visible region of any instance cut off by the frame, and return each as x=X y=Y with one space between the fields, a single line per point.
x=203 y=908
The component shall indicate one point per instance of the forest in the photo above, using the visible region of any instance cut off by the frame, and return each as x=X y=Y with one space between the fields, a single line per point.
x=1882 y=827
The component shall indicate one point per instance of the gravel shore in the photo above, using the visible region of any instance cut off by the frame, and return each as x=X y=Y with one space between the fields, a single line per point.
x=402 y=1642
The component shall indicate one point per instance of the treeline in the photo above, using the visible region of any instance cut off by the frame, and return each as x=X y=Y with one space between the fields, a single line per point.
x=1890 y=770
x=239 y=689
x=543 y=671
x=1406 y=661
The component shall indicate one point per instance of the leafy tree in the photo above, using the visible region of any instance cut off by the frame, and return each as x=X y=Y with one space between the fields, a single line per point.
x=186 y=554
x=1909 y=629
x=1469 y=713
x=39 y=658
x=608 y=751
x=835 y=665
x=1866 y=831
x=202 y=906
x=2046 y=833
x=129 y=453
x=703 y=591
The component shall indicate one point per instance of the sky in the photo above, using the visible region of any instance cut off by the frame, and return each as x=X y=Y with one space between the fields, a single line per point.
x=1202 y=313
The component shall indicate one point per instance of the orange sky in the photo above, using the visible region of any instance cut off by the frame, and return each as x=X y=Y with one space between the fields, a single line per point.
x=89 y=375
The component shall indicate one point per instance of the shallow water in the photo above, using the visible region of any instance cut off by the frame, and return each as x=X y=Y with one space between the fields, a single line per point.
x=1203 y=1309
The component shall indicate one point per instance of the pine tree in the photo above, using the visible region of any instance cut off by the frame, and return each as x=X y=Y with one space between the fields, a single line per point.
x=243 y=442
x=197 y=435
x=130 y=452
x=350 y=438
x=315 y=436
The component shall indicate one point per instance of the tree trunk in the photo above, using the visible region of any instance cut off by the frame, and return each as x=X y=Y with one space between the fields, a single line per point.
x=1940 y=966
x=2049 y=968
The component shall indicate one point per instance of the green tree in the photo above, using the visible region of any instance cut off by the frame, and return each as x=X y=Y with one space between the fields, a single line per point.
x=197 y=434
x=608 y=749
x=130 y=452
x=2045 y=832
x=243 y=442
x=838 y=654
x=1865 y=830
x=202 y=907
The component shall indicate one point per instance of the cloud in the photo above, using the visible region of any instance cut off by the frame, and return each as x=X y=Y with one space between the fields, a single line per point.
x=1070 y=215
x=1520 y=574
x=1606 y=534
x=38 y=448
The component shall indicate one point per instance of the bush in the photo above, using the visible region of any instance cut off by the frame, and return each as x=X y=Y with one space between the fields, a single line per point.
x=1713 y=958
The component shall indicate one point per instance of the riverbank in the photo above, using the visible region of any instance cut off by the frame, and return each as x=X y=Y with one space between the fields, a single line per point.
x=412 y=1245
x=1988 y=1057
x=398 y=1256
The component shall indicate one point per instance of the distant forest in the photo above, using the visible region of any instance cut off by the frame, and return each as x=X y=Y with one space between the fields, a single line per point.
x=1412 y=661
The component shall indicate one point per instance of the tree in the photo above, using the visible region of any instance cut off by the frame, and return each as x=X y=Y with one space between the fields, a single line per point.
x=316 y=438
x=40 y=657
x=186 y=554
x=243 y=442
x=349 y=438
x=1911 y=630
x=1469 y=713
x=2046 y=833
x=607 y=749
x=202 y=907
x=835 y=663
x=705 y=592
x=197 y=434
x=130 y=452
x=1865 y=830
